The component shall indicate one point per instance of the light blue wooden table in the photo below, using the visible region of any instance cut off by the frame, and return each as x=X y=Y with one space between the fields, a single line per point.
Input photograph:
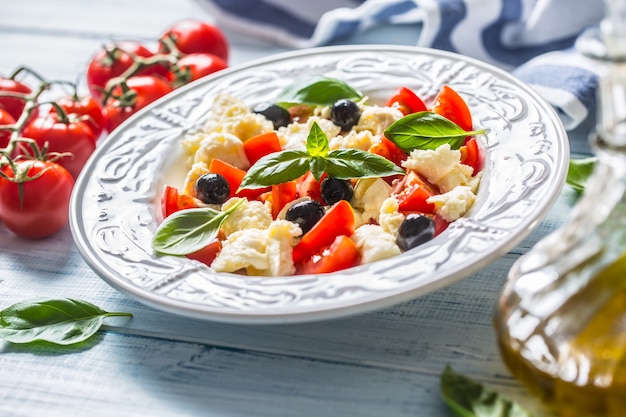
x=380 y=364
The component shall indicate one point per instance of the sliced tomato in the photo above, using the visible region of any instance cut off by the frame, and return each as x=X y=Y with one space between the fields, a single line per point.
x=281 y=195
x=234 y=176
x=389 y=150
x=441 y=224
x=338 y=220
x=207 y=254
x=261 y=145
x=412 y=193
x=341 y=254
x=173 y=201
x=470 y=155
x=405 y=100
x=308 y=186
x=451 y=105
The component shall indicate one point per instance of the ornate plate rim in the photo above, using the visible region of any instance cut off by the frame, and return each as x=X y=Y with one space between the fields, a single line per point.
x=326 y=307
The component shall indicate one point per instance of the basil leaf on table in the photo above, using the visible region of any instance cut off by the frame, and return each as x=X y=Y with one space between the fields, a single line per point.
x=187 y=231
x=579 y=172
x=316 y=90
x=62 y=321
x=468 y=398
x=426 y=130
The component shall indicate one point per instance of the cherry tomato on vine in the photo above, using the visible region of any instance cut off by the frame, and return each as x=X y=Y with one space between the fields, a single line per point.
x=86 y=108
x=112 y=60
x=146 y=89
x=13 y=105
x=42 y=208
x=5 y=134
x=451 y=105
x=70 y=135
x=193 y=36
x=198 y=65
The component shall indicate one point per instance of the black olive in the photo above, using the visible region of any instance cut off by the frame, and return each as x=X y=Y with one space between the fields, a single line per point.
x=305 y=213
x=279 y=116
x=414 y=230
x=333 y=190
x=212 y=188
x=345 y=114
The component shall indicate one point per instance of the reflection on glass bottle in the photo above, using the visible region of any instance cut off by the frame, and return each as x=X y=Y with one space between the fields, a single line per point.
x=561 y=318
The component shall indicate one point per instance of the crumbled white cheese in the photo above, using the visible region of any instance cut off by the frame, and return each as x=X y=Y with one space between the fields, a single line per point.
x=249 y=215
x=295 y=134
x=259 y=251
x=453 y=204
x=441 y=167
x=196 y=171
x=374 y=243
x=390 y=218
x=228 y=115
x=376 y=119
x=369 y=195
x=353 y=140
x=223 y=146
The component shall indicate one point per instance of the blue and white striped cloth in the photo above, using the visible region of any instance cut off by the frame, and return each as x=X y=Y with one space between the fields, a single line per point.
x=532 y=38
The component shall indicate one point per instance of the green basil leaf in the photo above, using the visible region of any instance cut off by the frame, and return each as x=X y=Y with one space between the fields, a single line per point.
x=318 y=166
x=276 y=168
x=468 y=398
x=317 y=142
x=579 y=172
x=355 y=163
x=426 y=130
x=188 y=231
x=62 y=321
x=316 y=90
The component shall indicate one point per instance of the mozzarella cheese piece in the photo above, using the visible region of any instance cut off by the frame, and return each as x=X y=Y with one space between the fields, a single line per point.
x=369 y=195
x=376 y=119
x=354 y=140
x=295 y=134
x=441 y=167
x=374 y=243
x=249 y=215
x=390 y=218
x=453 y=204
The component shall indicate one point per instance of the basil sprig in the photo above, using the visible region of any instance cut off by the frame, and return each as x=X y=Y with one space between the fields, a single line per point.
x=188 y=231
x=427 y=130
x=316 y=90
x=284 y=166
x=468 y=398
x=62 y=321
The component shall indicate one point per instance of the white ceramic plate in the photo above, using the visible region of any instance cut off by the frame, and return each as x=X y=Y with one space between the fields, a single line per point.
x=115 y=204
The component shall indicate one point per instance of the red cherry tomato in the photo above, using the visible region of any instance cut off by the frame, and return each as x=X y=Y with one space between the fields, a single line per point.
x=207 y=254
x=412 y=193
x=41 y=208
x=73 y=136
x=451 y=105
x=86 y=108
x=193 y=36
x=281 y=195
x=234 y=176
x=406 y=101
x=173 y=201
x=198 y=65
x=147 y=88
x=5 y=134
x=341 y=254
x=338 y=220
x=261 y=145
x=470 y=155
x=308 y=186
x=13 y=105
x=112 y=60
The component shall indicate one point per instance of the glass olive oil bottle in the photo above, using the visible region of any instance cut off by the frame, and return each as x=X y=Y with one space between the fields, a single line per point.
x=561 y=317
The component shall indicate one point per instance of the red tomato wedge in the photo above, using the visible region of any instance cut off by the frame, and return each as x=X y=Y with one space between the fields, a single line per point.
x=261 y=145
x=173 y=201
x=389 y=150
x=405 y=100
x=281 y=195
x=308 y=186
x=338 y=220
x=341 y=254
x=451 y=105
x=234 y=176
x=207 y=254
x=412 y=193
x=470 y=155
